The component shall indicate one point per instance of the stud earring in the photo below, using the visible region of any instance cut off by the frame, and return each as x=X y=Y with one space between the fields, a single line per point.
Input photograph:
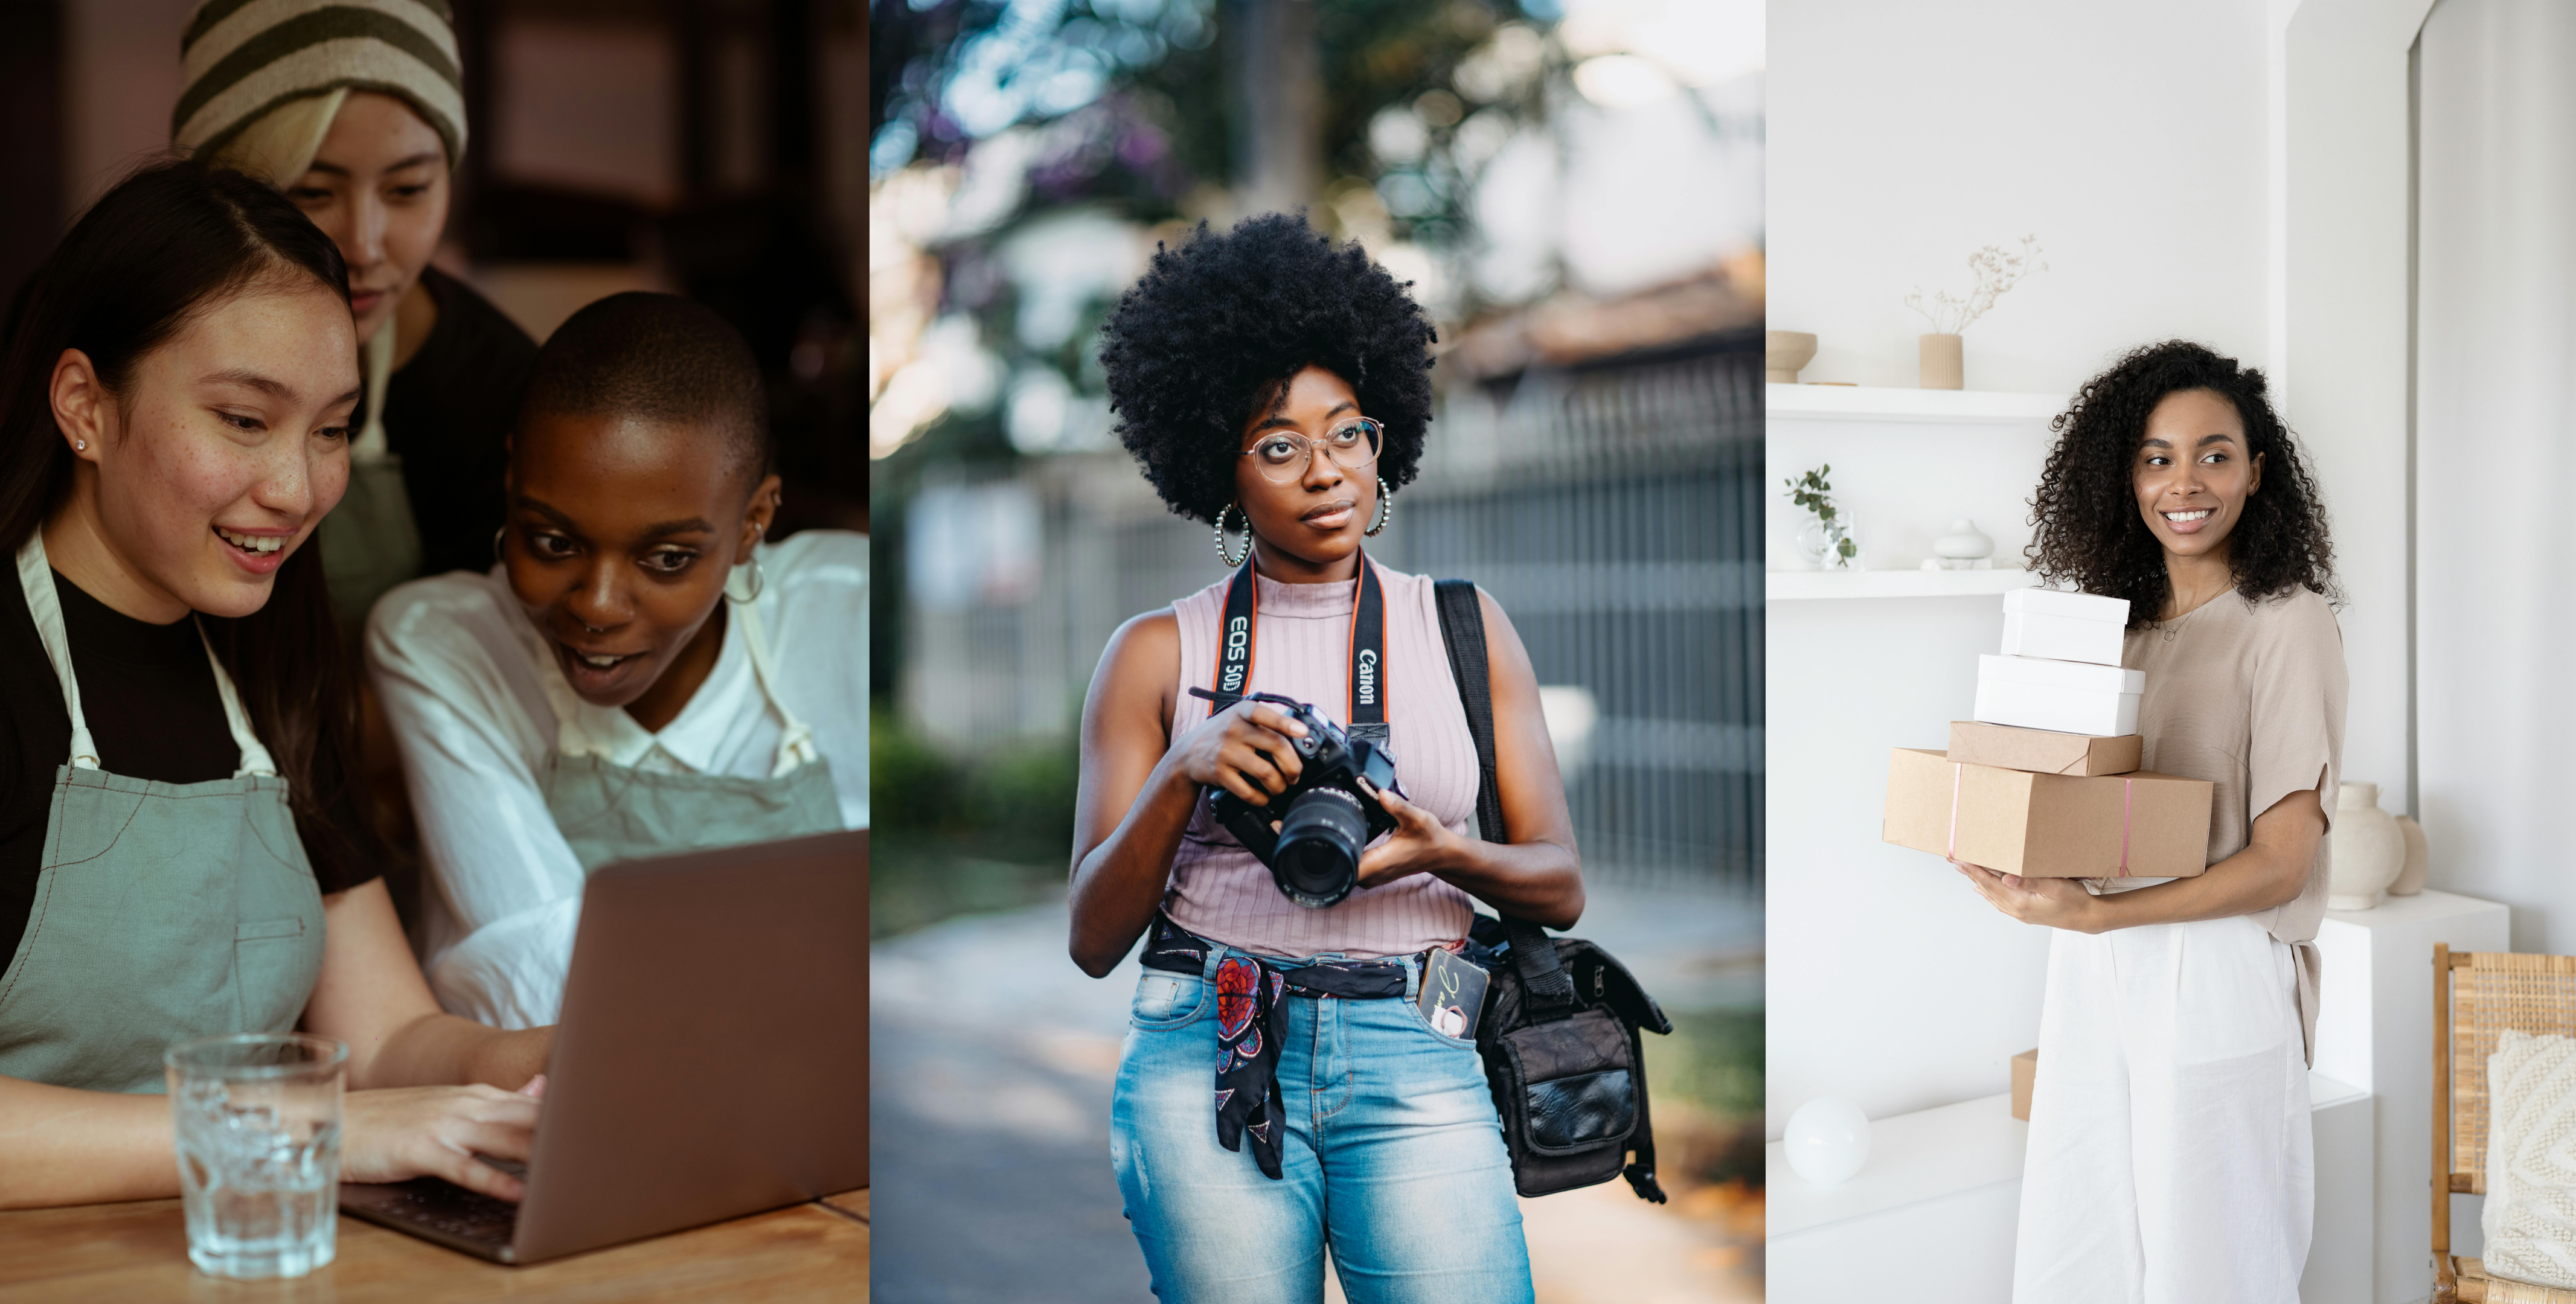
x=80 y=445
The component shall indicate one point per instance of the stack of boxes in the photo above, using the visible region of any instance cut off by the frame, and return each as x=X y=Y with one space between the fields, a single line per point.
x=2045 y=782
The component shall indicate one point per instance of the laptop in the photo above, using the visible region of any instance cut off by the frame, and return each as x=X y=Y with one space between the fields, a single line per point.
x=711 y=1060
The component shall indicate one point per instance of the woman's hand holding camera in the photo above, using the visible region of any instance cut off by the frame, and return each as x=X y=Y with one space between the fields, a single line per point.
x=1419 y=845
x=1249 y=749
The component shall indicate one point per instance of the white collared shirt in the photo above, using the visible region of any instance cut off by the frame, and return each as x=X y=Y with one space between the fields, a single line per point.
x=461 y=672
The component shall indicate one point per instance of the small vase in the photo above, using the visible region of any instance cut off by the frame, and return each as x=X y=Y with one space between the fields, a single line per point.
x=1943 y=365
x=2419 y=859
x=1785 y=353
x=1963 y=542
x=2368 y=850
x=1829 y=544
x=1827 y=1141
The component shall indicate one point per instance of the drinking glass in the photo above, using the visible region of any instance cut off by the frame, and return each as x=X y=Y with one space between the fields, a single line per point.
x=258 y=1121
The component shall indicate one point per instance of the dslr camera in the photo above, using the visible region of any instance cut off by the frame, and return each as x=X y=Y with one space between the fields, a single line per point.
x=1324 y=819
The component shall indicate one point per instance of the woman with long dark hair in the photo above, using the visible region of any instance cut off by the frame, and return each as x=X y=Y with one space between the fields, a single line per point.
x=2169 y=1150
x=179 y=852
x=1275 y=384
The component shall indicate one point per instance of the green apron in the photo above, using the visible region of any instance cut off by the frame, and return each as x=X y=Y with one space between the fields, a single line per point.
x=611 y=812
x=370 y=542
x=163 y=911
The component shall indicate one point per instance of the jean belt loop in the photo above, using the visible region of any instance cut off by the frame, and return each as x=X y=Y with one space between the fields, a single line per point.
x=1216 y=954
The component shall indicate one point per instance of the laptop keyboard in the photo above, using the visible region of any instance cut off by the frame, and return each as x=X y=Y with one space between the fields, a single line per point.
x=447 y=1207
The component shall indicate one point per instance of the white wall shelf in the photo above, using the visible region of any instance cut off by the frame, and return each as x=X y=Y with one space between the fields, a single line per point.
x=1780 y=585
x=1875 y=403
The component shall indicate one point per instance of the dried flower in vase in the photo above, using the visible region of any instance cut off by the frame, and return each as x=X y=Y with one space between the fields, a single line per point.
x=1997 y=272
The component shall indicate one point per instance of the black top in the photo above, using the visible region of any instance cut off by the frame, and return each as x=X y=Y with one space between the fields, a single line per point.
x=153 y=709
x=448 y=414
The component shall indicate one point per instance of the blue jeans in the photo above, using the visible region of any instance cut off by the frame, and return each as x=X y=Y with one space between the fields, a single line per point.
x=1392 y=1155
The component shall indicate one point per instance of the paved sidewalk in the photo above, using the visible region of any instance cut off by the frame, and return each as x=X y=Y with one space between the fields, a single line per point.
x=990 y=1068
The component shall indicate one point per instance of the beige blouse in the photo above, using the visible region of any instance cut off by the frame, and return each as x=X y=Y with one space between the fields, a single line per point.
x=2250 y=696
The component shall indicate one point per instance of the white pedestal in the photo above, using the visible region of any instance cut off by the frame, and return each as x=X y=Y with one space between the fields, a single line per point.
x=2375 y=1030
x=1930 y=1218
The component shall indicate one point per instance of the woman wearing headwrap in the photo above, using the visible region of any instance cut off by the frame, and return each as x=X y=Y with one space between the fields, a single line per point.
x=354 y=109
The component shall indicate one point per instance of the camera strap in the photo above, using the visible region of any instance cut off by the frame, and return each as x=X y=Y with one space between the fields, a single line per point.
x=1242 y=620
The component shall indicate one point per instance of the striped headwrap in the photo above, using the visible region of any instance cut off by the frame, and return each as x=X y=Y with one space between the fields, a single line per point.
x=242 y=59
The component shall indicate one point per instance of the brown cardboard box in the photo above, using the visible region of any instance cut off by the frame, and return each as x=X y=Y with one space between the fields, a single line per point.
x=2042 y=752
x=2142 y=825
x=2025 y=1072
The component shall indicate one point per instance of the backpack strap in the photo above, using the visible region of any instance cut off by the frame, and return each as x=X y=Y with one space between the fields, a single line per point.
x=1544 y=982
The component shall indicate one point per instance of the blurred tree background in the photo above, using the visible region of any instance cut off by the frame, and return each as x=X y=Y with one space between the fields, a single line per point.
x=1027 y=155
x=1573 y=189
x=1020 y=137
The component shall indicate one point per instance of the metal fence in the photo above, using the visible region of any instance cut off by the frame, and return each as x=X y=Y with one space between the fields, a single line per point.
x=1614 y=512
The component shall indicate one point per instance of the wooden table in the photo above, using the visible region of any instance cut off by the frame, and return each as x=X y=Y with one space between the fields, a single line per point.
x=139 y=1251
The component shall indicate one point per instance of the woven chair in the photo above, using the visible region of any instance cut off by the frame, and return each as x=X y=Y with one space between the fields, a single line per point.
x=2476 y=996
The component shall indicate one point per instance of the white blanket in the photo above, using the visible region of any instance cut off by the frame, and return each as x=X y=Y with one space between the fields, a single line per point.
x=2530 y=1215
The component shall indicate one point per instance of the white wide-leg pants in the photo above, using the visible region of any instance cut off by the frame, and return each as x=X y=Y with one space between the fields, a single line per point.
x=2170 y=1147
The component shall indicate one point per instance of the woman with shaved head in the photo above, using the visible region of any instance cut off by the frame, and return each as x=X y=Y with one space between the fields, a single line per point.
x=643 y=674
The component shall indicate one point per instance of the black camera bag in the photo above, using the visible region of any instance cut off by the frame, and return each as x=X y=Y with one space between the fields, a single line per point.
x=1560 y=1029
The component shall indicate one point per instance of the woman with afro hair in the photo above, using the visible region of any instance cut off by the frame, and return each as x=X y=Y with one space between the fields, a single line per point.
x=2169 y=1140
x=1275 y=384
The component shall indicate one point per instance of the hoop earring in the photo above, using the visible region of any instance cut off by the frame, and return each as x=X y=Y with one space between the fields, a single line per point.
x=759 y=584
x=1385 y=508
x=496 y=543
x=1235 y=559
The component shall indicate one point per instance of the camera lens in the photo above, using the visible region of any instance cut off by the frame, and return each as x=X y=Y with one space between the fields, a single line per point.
x=1318 y=858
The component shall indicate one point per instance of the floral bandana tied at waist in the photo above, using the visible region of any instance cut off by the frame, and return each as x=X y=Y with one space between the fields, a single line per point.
x=1250 y=1022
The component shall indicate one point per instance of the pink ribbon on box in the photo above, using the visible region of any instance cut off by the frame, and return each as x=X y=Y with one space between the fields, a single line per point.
x=1956 y=769
x=2128 y=795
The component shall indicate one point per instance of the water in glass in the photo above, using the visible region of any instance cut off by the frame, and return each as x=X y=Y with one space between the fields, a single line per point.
x=259 y=1155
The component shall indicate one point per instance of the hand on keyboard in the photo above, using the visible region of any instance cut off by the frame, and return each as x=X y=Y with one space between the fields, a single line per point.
x=407 y=1132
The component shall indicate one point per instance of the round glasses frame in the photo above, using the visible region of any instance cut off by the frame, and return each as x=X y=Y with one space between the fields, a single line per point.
x=1366 y=437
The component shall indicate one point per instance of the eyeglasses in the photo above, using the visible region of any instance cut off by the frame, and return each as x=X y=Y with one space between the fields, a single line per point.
x=1283 y=456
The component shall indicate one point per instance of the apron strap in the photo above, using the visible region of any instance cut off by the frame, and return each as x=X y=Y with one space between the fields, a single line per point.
x=254 y=757
x=36 y=577
x=378 y=355
x=795 y=738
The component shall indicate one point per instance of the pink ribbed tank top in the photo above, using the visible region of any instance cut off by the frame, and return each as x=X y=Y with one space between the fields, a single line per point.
x=1301 y=648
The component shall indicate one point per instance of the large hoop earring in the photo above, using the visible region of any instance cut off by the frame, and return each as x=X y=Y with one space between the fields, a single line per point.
x=1236 y=559
x=496 y=543
x=759 y=583
x=1385 y=508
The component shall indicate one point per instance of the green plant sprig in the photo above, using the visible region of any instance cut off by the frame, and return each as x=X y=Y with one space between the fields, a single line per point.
x=1809 y=491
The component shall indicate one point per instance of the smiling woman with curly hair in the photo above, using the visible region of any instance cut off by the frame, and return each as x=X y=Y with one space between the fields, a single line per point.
x=2169 y=1145
x=1274 y=383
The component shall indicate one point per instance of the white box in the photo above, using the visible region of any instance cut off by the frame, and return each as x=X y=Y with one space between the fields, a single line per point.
x=2067 y=696
x=2064 y=626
